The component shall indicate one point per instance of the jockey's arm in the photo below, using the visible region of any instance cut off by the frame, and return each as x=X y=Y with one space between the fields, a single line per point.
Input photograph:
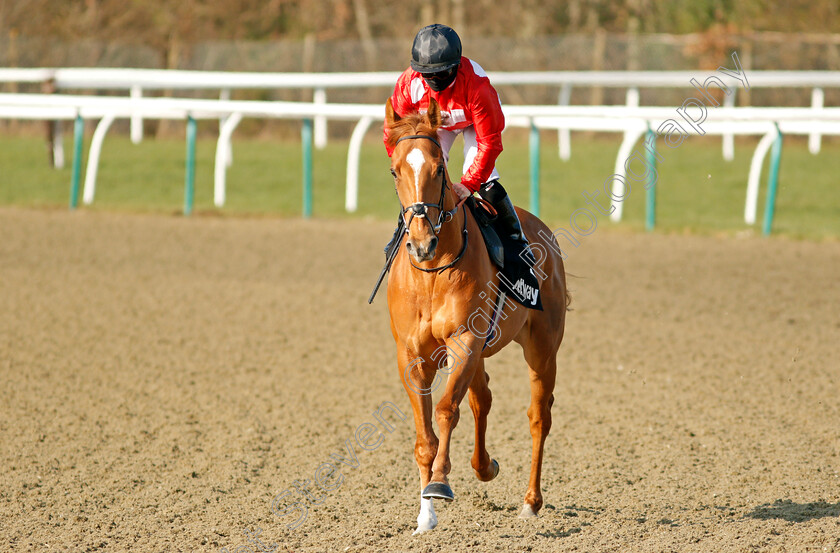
x=489 y=122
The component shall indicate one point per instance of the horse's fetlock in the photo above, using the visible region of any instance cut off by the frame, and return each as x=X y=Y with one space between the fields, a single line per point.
x=479 y=462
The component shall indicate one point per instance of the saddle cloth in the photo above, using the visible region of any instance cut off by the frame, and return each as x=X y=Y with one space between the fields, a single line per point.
x=515 y=275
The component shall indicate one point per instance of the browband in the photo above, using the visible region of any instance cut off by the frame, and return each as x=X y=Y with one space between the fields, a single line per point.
x=427 y=137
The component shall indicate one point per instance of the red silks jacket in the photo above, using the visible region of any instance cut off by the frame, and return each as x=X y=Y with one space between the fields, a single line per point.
x=469 y=100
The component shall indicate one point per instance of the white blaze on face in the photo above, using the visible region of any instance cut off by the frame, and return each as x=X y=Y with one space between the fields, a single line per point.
x=416 y=159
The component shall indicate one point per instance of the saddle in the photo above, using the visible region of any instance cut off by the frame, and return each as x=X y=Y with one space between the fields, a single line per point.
x=515 y=275
x=485 y=215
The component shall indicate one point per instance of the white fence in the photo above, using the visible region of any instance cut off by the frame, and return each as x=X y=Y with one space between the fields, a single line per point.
x=137 y=80
x=631 y=120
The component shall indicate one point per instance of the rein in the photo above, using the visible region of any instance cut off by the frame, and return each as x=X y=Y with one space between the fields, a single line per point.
x=454 y=261
x=420 y=209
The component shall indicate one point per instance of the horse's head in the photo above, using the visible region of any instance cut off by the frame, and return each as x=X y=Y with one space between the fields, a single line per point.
x=420 y=176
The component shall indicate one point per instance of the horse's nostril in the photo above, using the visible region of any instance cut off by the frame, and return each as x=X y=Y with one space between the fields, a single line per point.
x=433 y=244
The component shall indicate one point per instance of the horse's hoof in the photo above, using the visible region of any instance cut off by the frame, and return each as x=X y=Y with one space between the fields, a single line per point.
x=437 y=490
x=527 y=511
x=494 y=472
x=424 y=524
x=424 y=528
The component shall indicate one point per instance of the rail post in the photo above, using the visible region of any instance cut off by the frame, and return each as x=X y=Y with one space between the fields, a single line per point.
x=78 y=140
x=306 y=138
x=136 y=128
x=772 y=182
x=650 y=194
x=535 y=169
x=189 y=178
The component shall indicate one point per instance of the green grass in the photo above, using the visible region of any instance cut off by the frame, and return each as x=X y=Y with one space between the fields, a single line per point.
x=697 y=191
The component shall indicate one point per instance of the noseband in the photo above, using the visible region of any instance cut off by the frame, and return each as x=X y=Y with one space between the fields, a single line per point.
x=419 y=209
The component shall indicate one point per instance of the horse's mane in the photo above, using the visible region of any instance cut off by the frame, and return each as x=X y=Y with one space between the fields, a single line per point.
x=413 y=123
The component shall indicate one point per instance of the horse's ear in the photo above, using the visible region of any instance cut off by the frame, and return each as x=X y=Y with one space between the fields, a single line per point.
x=391 y=116
x=433 y=113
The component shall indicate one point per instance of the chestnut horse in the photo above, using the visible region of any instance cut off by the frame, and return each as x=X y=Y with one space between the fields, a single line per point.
x=437 y=290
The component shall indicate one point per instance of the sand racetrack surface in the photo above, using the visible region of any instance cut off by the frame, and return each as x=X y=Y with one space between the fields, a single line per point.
x=164 y=378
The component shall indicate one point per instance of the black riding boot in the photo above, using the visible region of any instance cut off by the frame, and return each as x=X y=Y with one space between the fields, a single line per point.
x=499 y=199
x=396 y=239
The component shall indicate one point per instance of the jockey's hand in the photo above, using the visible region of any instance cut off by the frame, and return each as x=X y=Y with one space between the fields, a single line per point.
x=461 y=191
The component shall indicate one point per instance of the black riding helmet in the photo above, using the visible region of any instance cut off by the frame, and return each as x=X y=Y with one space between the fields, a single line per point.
x=436 y=54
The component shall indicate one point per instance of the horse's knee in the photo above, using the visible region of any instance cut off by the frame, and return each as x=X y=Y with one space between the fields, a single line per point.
x=540 y=419
x=425 y=452
x=447 y=414
x=481 y=401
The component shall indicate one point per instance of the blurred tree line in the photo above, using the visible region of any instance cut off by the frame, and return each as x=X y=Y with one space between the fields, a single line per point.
x=358 y=35
x=169 y=26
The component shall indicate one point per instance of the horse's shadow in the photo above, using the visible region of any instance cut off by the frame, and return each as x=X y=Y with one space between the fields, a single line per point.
x=786 y=509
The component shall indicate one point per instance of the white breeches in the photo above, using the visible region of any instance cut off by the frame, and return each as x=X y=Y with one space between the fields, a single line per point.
x=447 y=138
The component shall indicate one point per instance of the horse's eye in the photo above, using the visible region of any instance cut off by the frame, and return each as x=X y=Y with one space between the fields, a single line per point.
x=440 y=170
x=393 y=173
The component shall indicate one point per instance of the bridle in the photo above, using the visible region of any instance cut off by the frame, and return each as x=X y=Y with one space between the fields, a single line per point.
x=420 y=209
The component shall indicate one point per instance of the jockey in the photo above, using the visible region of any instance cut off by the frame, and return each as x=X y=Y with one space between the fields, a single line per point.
x=469 y=106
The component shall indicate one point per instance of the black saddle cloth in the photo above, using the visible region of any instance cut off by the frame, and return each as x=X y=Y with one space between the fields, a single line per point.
x=515 y=275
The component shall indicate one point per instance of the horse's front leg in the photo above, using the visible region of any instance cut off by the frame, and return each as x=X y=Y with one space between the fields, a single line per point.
x=418 y=378
x=464 y=351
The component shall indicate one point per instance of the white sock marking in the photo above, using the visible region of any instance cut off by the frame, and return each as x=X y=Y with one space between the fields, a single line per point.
x=427 y=519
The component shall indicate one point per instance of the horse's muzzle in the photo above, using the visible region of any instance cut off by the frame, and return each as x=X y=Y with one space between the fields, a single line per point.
x=422 y=250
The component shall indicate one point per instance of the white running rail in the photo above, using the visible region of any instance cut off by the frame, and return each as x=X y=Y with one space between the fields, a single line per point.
x=632 y=121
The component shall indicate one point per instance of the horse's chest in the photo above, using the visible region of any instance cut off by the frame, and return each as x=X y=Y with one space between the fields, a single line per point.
x=429 y=325
x=420 y=335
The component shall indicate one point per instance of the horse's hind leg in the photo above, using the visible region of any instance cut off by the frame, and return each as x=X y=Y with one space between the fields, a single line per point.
x=485 y=468
x=542 y=365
